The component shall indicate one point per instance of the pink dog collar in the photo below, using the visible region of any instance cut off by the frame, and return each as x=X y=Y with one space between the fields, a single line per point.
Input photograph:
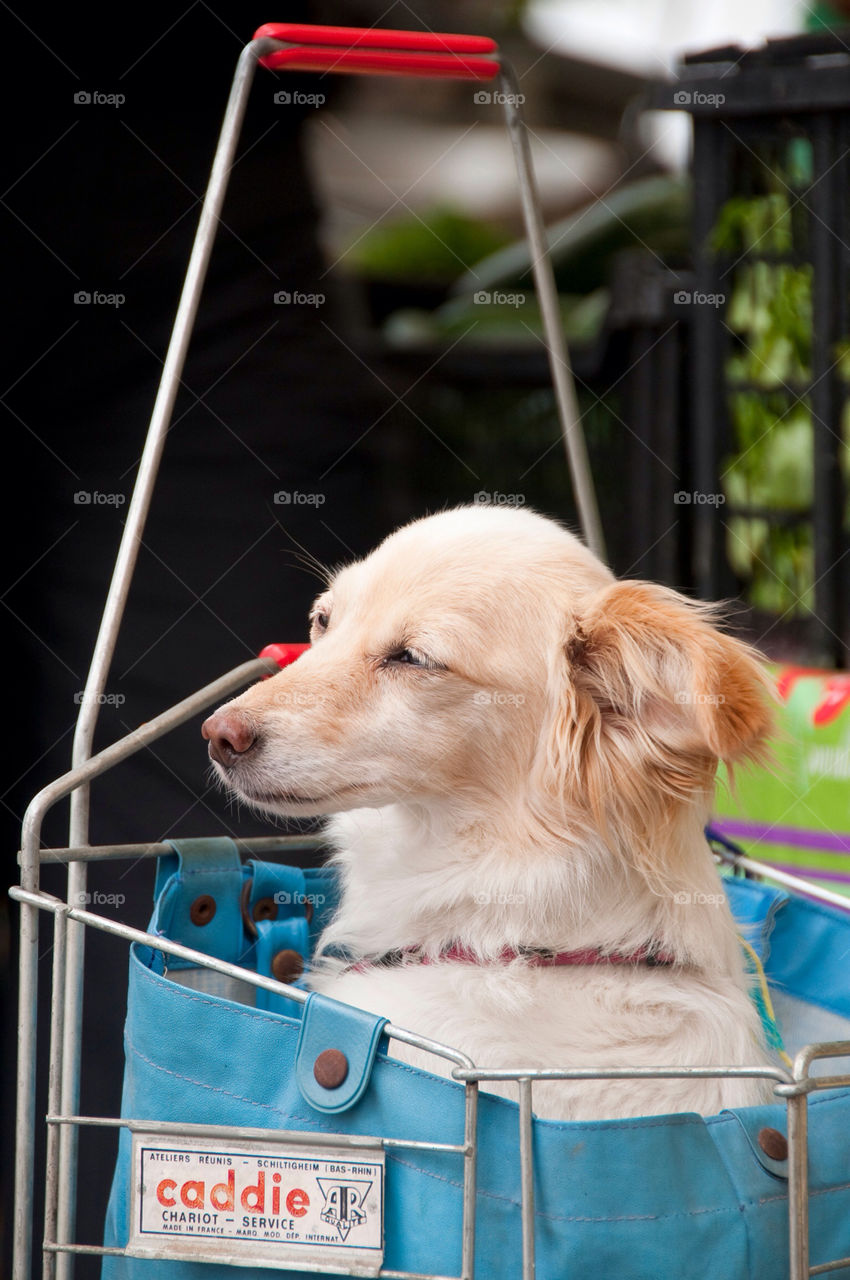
x=547 y=959
x=647 y=955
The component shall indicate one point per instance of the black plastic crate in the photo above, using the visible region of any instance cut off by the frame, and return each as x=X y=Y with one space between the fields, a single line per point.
x=769 y=328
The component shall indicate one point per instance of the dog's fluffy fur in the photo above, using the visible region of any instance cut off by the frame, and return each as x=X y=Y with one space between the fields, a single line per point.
x=521 y=753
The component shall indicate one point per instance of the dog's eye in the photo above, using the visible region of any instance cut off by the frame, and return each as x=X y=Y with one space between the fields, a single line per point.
x=409 y=658
x=320 y=620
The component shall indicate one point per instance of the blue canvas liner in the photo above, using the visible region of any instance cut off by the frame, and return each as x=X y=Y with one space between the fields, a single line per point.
x=635 y=1199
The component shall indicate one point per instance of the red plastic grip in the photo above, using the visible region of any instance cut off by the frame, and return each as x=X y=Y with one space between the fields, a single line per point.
x=375 y=38
x=283 y=654
x=353 y=62
x=371 y=51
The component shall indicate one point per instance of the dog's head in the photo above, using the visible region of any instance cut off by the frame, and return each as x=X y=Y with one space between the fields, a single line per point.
x=484 y=660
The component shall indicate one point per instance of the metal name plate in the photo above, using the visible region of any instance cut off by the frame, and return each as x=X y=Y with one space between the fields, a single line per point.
x=244 y=1203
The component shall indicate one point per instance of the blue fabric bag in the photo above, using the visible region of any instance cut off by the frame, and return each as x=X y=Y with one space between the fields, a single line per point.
x=638 y=1199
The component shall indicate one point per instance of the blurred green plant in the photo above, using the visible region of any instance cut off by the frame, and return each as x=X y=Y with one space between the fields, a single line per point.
x=433 y=249
x=653 y=213
x=507 y=439
x=767 y=372
x=503 y=316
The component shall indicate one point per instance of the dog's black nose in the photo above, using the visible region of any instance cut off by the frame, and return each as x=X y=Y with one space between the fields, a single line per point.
x=231 y=735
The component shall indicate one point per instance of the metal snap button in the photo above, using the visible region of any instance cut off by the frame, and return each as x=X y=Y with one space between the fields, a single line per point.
x=264 y=909
x=287 y=965
x=773 y=1144
x=330 y=1068
x=202 y=909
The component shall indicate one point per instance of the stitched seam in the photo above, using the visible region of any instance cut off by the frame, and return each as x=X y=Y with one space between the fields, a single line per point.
x=186 y=993
x=825 y=1191
x=828 y=1095
x=557 y=1217
x=227 y=1093
x=206 y=871
x=247 y=1011
x=820 y=1191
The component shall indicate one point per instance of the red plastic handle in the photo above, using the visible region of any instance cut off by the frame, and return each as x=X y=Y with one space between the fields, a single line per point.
x=375 y=38
x=353 y=62
x=283 y=654
x=371 y=51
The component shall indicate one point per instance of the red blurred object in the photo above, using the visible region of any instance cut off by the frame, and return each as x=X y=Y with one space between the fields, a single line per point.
x=283 y=654
x=836 y=691
x=371 y=51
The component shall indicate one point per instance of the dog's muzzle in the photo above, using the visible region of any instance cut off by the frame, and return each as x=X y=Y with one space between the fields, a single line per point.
x=231 y=736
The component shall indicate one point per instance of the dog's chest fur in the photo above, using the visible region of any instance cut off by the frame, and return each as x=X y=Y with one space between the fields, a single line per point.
x=512 y=1014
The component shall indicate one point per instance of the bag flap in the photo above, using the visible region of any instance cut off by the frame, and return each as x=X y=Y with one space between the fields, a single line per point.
x=197 y=898
x=336 y=1051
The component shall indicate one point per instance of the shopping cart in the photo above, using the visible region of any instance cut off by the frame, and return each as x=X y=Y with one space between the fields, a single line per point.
x=477 y=1138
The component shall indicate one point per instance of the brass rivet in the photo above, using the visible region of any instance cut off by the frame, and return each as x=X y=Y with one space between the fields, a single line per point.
x=287 y=965
x=202 y=910
x=773 y=1144
x=264 y=909
x=330 y=1068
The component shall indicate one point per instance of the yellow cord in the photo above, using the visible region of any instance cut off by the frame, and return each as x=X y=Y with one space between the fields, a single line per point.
x=765 y=991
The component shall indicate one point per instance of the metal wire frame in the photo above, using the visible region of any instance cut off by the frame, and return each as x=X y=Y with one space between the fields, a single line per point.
x=794 y=1088
x=63 y=913
x=569 y=418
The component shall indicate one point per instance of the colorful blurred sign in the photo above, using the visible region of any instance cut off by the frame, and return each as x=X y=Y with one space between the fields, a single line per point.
x=795 y=812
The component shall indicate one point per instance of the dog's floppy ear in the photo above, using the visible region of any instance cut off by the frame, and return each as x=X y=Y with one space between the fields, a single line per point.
x=653 y=695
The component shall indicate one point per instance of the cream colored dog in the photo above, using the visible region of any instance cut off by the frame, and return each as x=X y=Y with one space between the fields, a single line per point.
x=521 y=754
